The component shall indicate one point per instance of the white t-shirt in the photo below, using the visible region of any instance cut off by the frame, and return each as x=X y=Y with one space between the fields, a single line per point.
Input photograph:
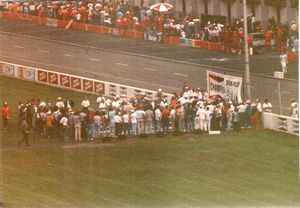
x=85 y=103
x=64 y=121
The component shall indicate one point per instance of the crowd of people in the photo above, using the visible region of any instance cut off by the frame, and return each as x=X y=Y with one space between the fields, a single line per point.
x=121 y=15
x=120 y=116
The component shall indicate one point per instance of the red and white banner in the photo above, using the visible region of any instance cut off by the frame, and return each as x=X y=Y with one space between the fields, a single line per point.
x=224 y=86
x=53 y=78
x=42 y=76
x=88 y=85
x=76 y=83
x=99 y=88
x=65 y=81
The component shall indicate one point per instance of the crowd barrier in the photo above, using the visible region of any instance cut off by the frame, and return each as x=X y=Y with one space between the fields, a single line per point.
x=68 y=81
x=293 y=56
x=281 y=123
x=151 y=36
x=87 y=85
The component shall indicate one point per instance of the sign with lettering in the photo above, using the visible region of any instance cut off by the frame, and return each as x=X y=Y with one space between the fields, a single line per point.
x=87 y=85
x=76 y=83
x=224 y=86
x=65 y=80
x=9 y=69
x=42 y=76
x=28 y=73
x=52 y=78
x=99 y=88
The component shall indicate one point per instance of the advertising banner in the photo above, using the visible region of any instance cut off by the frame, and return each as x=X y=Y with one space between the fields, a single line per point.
x=114 y=31
x=52 y=78
x=224 y=86
x=9 y=70
x=88 y=85
x=76 y=83
x=99 y=88
x=65 y=81
x=52 y=22
x=28 y=73
x=186 y=42
x=42 y=76
x=152 y=36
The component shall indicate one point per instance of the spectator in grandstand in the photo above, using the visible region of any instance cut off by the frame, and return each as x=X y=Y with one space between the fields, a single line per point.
x=5 y=115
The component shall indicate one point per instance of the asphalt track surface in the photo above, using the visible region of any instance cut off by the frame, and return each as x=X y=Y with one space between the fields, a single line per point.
x=137 y=63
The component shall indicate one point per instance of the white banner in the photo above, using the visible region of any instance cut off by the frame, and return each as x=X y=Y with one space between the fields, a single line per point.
x=224 y=86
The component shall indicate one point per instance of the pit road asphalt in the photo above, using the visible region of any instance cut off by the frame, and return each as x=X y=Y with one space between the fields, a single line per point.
x=137 y=63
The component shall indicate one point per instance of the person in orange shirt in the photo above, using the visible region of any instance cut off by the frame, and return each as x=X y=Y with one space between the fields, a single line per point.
x=281 y=39
x=64 y=13
x=234 y=40
x=147 y=24
x=74 y=13
x=268 y=38
x=5 y=115
x=83 y=14
x=160 y=23
x=165 y=119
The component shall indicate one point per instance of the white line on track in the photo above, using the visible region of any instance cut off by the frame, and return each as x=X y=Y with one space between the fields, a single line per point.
x=150 y=69
x=17 y=46
x=121 y=64
x=94 y=59
x=180 y=75
x=68 y=55
x=43 y=51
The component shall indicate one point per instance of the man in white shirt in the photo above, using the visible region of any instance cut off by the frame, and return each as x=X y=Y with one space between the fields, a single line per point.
x=267 y=106
x=158 y=117
x=60 y=104
x=85 y=104
x=201 y=118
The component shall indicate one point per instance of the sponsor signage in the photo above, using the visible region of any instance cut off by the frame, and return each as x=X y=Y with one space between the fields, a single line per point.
x=42 y=76
x=52 y=22
x=88 y=85
x=64 y=80
x=76 y=83
x=114 y=31
x=52 y=78
x=9 y=70
x=99 y=87
x=28 y=73
x=186 y=42
x=224 y=86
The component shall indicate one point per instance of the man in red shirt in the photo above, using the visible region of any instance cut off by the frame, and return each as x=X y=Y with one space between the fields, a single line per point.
x=165 y=119
x=5 y=115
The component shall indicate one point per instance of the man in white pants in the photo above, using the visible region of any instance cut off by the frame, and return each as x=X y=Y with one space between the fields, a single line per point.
x=201 y=116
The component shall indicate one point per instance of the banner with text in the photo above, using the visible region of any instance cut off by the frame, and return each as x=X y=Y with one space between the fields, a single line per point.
x=224 y=86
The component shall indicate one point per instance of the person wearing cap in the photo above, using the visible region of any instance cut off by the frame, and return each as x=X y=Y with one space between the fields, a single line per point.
x=5 y=115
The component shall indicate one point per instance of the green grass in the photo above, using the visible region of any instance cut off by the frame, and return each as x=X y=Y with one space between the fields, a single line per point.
x=250 y=168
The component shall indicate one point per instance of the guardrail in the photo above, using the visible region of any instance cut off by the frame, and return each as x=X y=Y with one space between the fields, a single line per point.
x=281 y=123
x=72 y=82
x=87 y=85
